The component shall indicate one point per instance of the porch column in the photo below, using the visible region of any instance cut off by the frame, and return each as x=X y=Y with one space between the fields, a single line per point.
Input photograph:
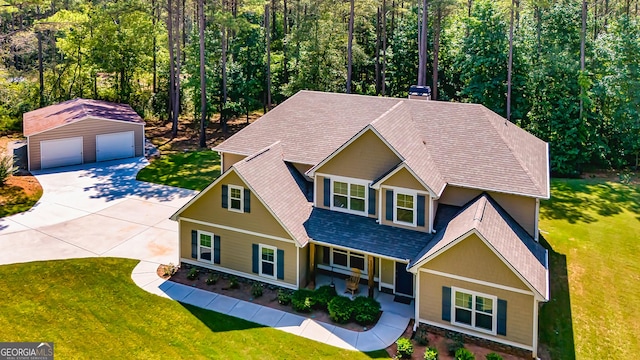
x=371 y=276
x=312 y=263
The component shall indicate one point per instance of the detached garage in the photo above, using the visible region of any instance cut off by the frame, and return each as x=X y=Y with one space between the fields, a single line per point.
x=82 y=131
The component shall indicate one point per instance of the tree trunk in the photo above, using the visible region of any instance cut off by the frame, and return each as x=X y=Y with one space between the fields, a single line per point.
x=422 y=46
x=285 y=26
x=40 y=70
x=383 y=75
x=176 y=106
x=203 y=79
x=583 y=35
x=268 y=44
x=436 y=51
x=378 y=36
x=350 y=47
x=172 y=74
x=510 y=64
x=154 y=19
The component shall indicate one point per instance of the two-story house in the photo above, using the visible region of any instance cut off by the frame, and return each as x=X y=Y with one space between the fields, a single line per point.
x=434 y=201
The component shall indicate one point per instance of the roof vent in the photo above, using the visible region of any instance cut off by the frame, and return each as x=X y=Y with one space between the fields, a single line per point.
x=420 y=92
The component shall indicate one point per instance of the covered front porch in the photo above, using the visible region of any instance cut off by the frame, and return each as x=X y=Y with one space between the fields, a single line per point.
x=386 y=300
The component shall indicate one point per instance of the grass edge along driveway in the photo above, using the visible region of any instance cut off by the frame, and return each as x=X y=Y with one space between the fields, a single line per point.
x=91 y=309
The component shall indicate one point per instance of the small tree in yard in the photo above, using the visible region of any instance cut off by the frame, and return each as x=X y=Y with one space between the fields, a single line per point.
x=7 y=168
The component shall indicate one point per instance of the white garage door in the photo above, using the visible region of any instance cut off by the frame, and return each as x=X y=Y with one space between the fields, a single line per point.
x=61 y=152
x=115 y=146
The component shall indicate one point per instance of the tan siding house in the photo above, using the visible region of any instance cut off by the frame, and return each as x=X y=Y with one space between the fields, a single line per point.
x=433 y=202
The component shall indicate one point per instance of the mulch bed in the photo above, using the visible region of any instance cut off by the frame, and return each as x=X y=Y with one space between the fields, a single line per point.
x=243 y=292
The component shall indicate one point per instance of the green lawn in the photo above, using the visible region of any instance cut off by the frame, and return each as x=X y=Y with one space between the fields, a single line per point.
x=92 y=309
x=593 y=228
x=13 y=200
x=191 y=170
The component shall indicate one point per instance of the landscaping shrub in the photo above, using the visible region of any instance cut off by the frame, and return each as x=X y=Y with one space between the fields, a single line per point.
x=7 y=168
x=456 y=342
x=192 y=274
x=302 y=300
x=233 y=283
x=340 y=309
x=256 y=290
x=421 y=336
x=323 y=295
x=365 y=310
x=169 y=270
x=284 y=296
x=493 y=356
x=405 y=348
x=431 y=354
x=212 y=279
x=464 y=354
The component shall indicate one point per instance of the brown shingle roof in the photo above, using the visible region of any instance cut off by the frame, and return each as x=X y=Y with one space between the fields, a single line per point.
x=398 y=129
x=269 y=177
x=71 y=111
x=501 y=232
x=467 y=144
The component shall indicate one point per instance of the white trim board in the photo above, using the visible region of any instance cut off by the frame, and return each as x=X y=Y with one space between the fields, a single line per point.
x=239 y=273
x=242 y=231
x=478 y=282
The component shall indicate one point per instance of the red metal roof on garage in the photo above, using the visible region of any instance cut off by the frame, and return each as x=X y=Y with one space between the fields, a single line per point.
x=70 y=111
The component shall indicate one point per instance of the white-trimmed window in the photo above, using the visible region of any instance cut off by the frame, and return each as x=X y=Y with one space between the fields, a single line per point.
x=205 y=246
x=348 y=259
x=268 y=260
x=474 y=310
x=349 y=195
x=236 y=198
x=404 y=207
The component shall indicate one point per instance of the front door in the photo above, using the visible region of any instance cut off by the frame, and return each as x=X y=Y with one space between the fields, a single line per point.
x=404 y=280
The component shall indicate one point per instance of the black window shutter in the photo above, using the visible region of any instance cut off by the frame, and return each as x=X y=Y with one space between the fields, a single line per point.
x=389 y=205
x=421 y=206
x=225 y=196
x=502 y=317
x=327 y=192
x=446 y=303
x=247 y=200
x=372 y=201
x=194 y=244
x=280 y=265
x=256 y=258
x=216 y=249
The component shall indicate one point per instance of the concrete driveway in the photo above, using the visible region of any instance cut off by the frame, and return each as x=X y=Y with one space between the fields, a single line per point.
x=95 y=210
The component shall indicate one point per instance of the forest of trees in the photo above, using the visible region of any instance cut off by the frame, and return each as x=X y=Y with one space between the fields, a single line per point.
x=567 y=70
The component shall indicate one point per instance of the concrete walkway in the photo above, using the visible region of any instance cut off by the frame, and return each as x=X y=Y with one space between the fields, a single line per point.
x=388 y=329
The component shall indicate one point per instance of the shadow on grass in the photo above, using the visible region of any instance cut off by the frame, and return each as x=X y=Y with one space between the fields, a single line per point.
x=190 y=170
x=555 y=320
x=222 y=323
x=579 y=200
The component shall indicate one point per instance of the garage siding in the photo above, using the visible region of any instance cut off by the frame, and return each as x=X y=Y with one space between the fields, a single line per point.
x=88 y=129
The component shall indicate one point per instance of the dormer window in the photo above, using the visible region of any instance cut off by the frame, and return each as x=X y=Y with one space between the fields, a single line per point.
x=235 y=198
x=404 y=208
x=349 y=195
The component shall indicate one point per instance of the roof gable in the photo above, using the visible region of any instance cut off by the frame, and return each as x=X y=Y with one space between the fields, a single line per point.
x=262 y=171
x=484 y=217
x=72 y=111
x=365 y=156
x=207 y=207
